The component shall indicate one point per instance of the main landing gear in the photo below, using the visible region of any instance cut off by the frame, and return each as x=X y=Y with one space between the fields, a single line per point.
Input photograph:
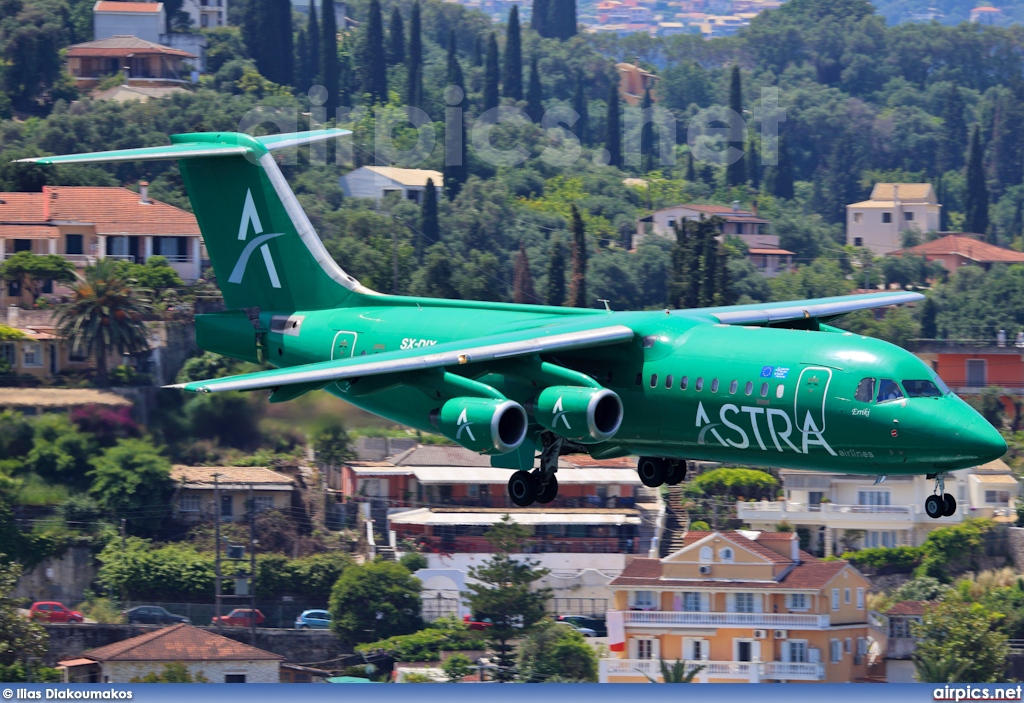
x=540 y=485
x=655 y=471
x=940 y=504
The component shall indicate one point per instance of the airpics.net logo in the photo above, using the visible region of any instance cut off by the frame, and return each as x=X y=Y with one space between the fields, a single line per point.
x=251 y=217
x=978 y=693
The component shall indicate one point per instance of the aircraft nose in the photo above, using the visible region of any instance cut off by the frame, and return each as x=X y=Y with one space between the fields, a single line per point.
x=979 y=439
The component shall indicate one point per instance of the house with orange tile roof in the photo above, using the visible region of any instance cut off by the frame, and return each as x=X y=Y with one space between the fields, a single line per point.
x=633 y=80
x=955 y=250
x=879 y=222
x=142 y=62
x=197 y=488
x=204 y=654
x=747 y=606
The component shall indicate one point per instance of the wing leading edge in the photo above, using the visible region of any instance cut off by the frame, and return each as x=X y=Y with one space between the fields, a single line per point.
x=817 y=308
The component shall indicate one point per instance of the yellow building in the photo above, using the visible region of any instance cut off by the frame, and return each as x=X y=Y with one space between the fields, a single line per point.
x=748 y=606
x=198 y=487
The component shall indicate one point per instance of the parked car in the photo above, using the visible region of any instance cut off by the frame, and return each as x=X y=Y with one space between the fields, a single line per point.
x=152 y=615
x=582 y=622
x=477 y=623
x=239 y=617
x=585 y=631
x=313 y=620
x=52 y=611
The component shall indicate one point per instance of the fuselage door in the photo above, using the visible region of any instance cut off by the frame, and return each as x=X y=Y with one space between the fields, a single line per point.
x=344 y=345
x=809 y=404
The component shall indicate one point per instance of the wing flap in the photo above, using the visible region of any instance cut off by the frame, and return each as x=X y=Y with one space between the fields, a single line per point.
x=448 y=354
x=819 y=308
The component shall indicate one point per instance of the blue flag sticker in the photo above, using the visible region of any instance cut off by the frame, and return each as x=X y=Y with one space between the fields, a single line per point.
x=766 y=371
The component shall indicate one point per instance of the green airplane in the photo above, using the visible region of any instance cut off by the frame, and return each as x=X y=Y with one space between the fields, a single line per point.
x=771 y=385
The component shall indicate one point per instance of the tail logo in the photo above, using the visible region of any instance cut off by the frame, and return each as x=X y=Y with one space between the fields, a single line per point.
x=251 y=217
x=463 y=424
x=559 y=414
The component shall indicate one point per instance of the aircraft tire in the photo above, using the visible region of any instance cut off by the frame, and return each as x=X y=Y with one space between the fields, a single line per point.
x=548 y=493
x=949 y=505
x=522 y=489
x=935 y=506
x=652 y=471
x=676 y=473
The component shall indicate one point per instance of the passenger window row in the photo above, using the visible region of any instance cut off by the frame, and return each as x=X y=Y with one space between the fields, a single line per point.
x=698 y=385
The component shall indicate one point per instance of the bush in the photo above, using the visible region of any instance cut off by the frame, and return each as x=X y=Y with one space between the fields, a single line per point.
x=734 y=483
x=886 y=560
x=700 y=525
x=413 y=561
x=444 y=635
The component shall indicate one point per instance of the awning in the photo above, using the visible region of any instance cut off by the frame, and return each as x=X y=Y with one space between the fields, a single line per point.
x=436 y=475
x=424 y=516
x=994 y=479
x=76 y=662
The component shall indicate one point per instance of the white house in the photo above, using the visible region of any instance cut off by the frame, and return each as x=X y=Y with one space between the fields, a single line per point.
x=145 y=20
x=206 y=13
x=847 y=510
x=893 y=208
x=379 y=181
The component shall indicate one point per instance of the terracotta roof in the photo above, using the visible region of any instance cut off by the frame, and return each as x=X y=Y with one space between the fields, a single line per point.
x=29 y=232
x=967 y=247
x=123 y=45
x=784 y=536
x=228 y=474
x=642 y=573
x=409 y=176
x=1000 y=479
x=907 y=607
x=58 y=397
x=759 y=549
x=111 y=211
x=814 y=575
x=642 y=568
x=180 y=643
x=906 y=191
x=110 y=6
x=778 y=252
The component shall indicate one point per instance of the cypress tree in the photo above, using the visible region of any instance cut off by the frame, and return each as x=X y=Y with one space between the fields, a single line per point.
x=783 y=186
x=254 y=14
x=753 y=164
x=541 y=15
x=428 y=215
x=723 y=292
x=578 y=289
x=685 y=286
x=478 y=51
x=647 y=137
x=455 y=174
x=414 y=60
x=736 y=172
x=562 y=23
x=374 y=64
x=579 y=103
x=330 y=67
x=512 y=76
x=284 y=59
x=313 y=50
x=523 y=287
x=953 y=133
x=940 y=195
x=708 y=262
x=491 y=71
x=534 y=94
x=613 y=133
x=303 y=76
x=556 y=272
x=976 y=195
x=454 y=76
x=396 y=38
x=691 y=175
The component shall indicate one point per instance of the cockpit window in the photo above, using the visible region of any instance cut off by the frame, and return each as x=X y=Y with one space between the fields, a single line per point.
x=888 y=389
x=943 y=388
x=865 y=390
x=922 y=389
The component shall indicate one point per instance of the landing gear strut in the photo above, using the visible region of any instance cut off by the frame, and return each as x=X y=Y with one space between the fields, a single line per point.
x=540 y=485
x=940 y=504
x=655 y=471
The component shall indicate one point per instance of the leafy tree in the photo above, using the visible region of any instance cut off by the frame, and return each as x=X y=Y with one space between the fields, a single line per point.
x=413 y=561
x=414 y=60
x=173 y=672
x=155 y=275
x=953 y=140
x=554 y=650
x=396 y=38
x=534 y=94
x=442 y=635
x=330 y=64
x=33 y=36
x=782 y=184
x=428 y=215
x=60 y=453
x=132 y=480
x=523 y=292
x=736 y=172
x=373 y=61
x=16 y=434
x=491 y=74
x=457 y=667
x=937 y=670
x=512 y=73
x=579 y=103
x=375 y=600
x=613 y=127
x=556 y=272
x=734 y=483
x=961 y=640
x=230 y=418
x=105 y=314
x=143 y=571
x=21 y=640
x=332 y=445
x=33 y=270
x=976 y=197
x=647 y=136
x=504 y=594
x=578 y=287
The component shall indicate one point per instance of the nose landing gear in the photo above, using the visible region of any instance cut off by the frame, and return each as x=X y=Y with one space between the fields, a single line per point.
x=940 y=504
x=655 y=471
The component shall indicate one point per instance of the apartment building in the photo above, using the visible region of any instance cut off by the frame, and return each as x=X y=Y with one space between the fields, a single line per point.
x=879 y=222
x=842 y=512
x=748 y=606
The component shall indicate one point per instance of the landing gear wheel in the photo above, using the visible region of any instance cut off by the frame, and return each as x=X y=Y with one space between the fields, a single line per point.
x=522 y=488
x=935 y=506
x=548 y=493
x=949 y=502
x=676 y=473
x=652 y=471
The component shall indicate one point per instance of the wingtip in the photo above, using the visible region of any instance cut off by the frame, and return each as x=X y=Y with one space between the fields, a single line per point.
x=178 y=386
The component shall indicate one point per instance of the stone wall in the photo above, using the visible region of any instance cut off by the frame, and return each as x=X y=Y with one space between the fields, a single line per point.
x=64 y=578
x=214 y=672
x=1015 y=545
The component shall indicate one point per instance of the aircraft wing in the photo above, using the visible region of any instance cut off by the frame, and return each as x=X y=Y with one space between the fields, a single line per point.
x=562 y=337
x=819 y=308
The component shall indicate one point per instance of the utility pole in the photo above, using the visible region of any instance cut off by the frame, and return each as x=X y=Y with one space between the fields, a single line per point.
x=124 y=551
x=252 y=565
x=216 y=561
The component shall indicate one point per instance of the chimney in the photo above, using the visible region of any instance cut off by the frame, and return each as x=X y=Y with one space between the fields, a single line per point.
x=144 y=192
x=795 y=548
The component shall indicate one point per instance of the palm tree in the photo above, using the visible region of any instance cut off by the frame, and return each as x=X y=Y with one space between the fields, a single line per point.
x=938 y=670
x=679 y=672
x=106 y=312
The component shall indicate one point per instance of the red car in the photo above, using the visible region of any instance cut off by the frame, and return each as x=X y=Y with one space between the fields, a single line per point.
x=240 y=617
x=52 y=611
x=477 y=624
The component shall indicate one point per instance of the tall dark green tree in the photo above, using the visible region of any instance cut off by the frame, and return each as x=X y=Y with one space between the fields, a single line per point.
x=491 y=74
x=782 y=186
x=953 y=135
x=613 y=127
x=753 y=159
x=313 y=48
x=455 y=165
x=330 y=65
x=414 y=60
x=478 y=51
x=303 y=64
x=691 y=174
x=578 y=286
x=522 y=291
x=556 y=272
x=736 y=172
x=684 y=288
x=428 y=215
x=647 y=136
x=541 y=16
x=709 y=262
x=284 y=37
x=396 y=37
x=976 y=190
x=580 y=104
x=940 y=195
x=512 y=75
x=267 y=30
x=563 y=19
x=534 y=93
x=373 y=60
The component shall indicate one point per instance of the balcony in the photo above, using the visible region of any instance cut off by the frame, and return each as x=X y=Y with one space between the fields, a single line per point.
x=781 y=621
x=837 y=515
x=717 y=670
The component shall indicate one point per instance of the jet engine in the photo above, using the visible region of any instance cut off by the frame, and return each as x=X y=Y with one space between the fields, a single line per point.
x=581 y=414
x=485 y=425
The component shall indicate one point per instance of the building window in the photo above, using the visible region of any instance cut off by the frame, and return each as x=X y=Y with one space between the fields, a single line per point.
x=873 y=498
x=836 y=647
x=908 y=216
x=846 y=596
x=73 y=244
x=188 y=503
x=643 y=600
x=9 y=353
x=835 y=599
x=848 y=645
x=263 y=503
x=858 y=218
x=880 y=538
x=743 y=602
x=705 y=555
x=32 y=355
x=858 y=241
x=691 y=602
x=644 y=649
x=796 y=651
x=886 y=218
x=797 y=601
x=860 y=599
x=997 y=497
x=234 y=678
x=726 y=555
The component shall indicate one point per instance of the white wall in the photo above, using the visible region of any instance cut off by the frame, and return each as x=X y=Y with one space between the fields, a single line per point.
x=144 y=25
x=612 y=564
x=255 y=671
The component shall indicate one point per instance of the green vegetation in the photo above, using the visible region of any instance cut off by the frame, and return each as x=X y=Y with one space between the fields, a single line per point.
x=966 y=637
x=739 y=484
x=442 y=635
x=173 y=672
x=374 y=601
x=21 y=640
x=556 y=650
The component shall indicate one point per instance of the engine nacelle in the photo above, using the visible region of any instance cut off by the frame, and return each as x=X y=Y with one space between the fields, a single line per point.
x=580 y=414
x=484 y=425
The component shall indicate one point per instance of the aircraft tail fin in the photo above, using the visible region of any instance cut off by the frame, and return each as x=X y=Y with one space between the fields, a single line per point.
x=263 y=248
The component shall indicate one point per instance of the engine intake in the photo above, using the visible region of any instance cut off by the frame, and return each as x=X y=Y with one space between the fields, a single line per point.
x=581 y=414
x=484 y=425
